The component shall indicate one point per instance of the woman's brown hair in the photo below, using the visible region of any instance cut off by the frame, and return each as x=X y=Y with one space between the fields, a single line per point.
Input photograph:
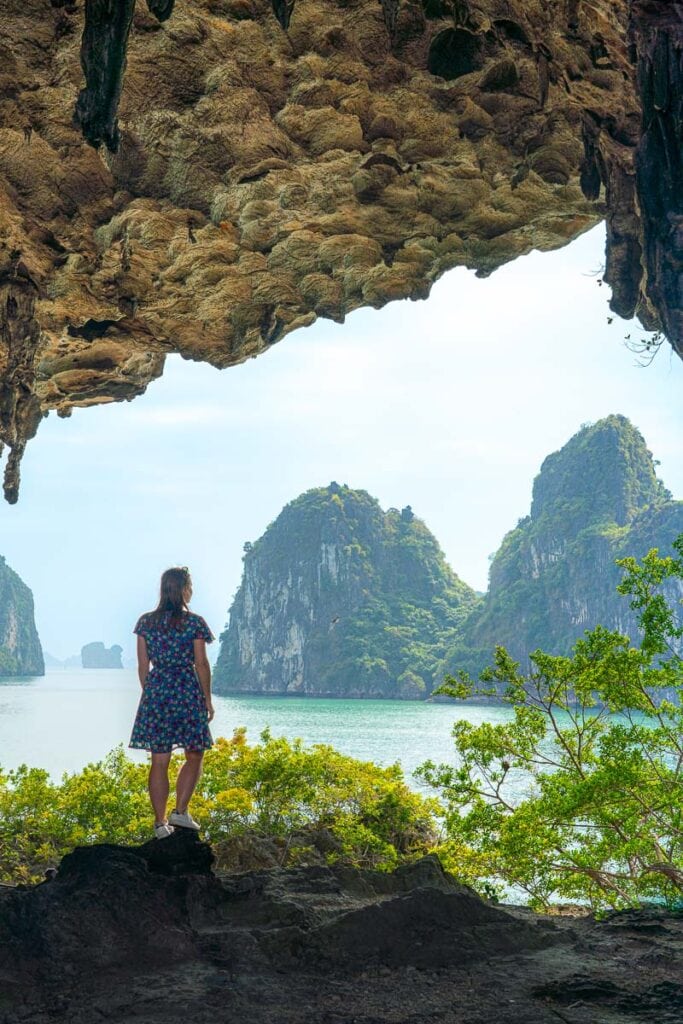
x=172 y=605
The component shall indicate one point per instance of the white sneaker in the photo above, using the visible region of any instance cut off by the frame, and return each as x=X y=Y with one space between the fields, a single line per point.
x=163 y=831
x=183 y=820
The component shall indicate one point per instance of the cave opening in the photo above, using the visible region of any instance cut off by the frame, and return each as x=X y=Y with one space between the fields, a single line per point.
x=454 y=53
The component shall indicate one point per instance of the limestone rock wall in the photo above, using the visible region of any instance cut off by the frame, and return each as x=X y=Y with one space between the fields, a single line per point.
x=341 y=599
x=20 y=650
x=257 y=179
x=596 y=500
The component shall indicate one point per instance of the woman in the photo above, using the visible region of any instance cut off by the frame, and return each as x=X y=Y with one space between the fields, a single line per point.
x=175 y=708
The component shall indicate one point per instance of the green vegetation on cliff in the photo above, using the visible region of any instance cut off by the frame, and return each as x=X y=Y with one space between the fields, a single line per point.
x=596 y=500
x=20 y=650
x=339 y=597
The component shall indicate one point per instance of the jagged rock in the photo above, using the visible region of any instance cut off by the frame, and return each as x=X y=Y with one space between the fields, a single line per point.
x=239 y=203
x=151 y=933
x=20 y=650
x=554 y=576
x=339 y=598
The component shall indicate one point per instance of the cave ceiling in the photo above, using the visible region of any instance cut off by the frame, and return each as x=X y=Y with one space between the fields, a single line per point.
x=205 y=177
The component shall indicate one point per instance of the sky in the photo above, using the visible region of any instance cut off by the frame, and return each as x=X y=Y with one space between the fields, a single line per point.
x=449 y=405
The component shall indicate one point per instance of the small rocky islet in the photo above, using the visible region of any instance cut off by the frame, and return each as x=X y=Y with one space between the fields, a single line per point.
x=339 y=598
x=151 y=934
x=96 y=655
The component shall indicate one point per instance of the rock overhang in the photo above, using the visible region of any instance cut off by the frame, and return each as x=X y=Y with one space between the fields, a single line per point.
x=251 y=179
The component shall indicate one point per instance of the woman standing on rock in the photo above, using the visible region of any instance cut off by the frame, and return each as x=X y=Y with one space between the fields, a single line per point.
x=175 y=708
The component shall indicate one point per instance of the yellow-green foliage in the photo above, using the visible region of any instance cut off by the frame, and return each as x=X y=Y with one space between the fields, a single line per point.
x=272 y=788
x=597 y=740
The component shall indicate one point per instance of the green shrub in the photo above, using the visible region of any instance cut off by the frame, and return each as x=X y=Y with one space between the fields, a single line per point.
x=597 y=743
x=274 y=788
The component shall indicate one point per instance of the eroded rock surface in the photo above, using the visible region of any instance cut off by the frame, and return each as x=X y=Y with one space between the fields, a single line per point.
x=151 y=934
x=253 y=179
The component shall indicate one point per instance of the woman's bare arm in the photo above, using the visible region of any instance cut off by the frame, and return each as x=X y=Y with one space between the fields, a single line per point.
x=201 y=664
x=143 y=661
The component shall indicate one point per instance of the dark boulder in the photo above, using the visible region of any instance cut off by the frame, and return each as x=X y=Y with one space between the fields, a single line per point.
x=150 y=933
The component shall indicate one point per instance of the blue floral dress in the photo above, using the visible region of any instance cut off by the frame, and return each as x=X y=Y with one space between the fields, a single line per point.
x=172 y=710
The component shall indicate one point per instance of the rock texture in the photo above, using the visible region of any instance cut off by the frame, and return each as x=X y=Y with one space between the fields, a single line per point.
x=339 y=598
x=554 y=576
x=252 y=179
x=96 y=655
x=657 y=39
x=150 y=933
x=20 y=650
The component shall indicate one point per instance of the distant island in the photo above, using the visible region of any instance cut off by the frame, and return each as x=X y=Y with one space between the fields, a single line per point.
x=96 y=655
x=73 y=661
x=339 y=598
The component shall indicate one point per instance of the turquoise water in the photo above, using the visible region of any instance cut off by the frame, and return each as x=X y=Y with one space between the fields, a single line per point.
x=67 y=719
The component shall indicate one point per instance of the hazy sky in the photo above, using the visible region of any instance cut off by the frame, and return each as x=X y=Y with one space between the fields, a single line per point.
x=449 y=405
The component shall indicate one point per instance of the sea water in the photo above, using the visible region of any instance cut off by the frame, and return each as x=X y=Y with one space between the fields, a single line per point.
x=67 y=719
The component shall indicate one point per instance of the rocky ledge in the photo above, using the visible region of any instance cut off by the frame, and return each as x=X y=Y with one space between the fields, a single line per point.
x=223 y=172
x=151 y=934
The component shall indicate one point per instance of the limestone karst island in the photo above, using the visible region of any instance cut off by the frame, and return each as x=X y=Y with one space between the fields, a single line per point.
x=339 y=598
x=344 y=686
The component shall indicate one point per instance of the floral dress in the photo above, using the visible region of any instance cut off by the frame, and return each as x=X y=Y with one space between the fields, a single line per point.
x=172 y=710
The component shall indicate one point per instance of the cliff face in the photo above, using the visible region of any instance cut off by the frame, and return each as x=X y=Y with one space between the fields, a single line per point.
x=595 y=500
x=340 y=598
x=250 y=179
x=20 y=650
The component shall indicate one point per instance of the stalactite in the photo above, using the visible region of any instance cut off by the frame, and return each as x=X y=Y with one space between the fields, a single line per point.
x=12 y=476
x=103 y=59
x=20 y=410
x=390 y=10
x=283 y=11
x=161 y=9
x=657 y=30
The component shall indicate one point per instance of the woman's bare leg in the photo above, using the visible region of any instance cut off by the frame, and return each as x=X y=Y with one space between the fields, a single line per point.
x=158 y=786
x=188 y=777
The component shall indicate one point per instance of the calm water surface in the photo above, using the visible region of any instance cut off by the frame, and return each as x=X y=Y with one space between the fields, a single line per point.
x=68 y=719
